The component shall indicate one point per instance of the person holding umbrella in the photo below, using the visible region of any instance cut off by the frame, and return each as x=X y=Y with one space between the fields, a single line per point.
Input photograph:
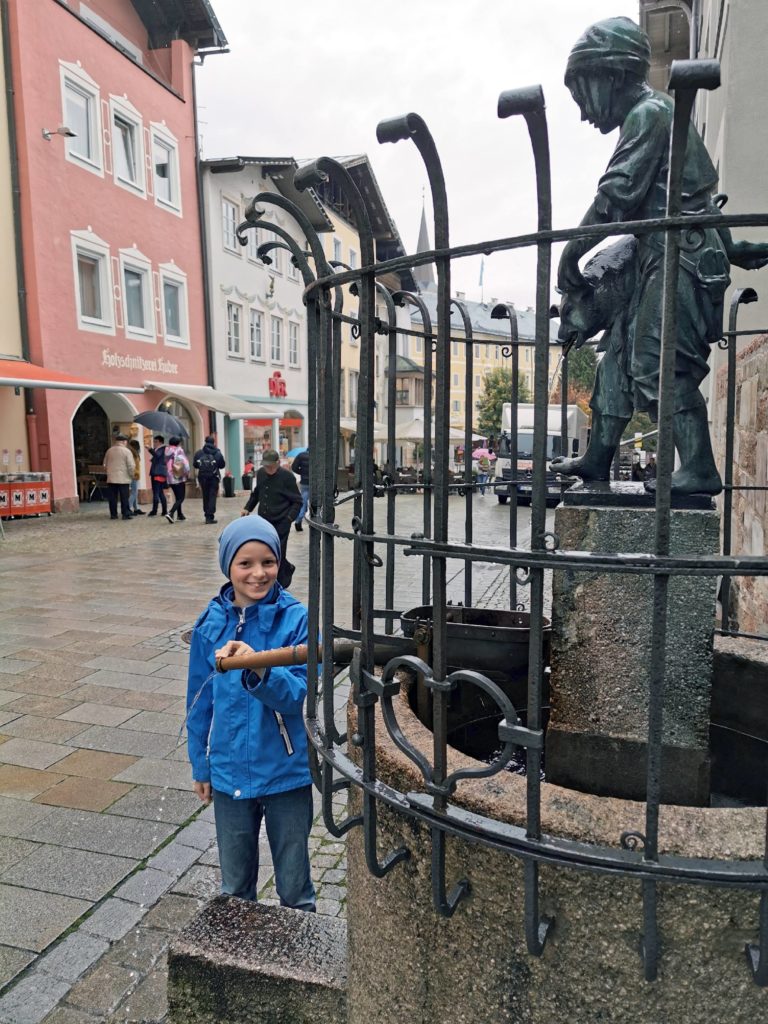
x=483 y=457
x=158 y=474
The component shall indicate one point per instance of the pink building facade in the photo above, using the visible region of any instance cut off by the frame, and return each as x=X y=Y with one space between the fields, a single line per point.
x=110 y=221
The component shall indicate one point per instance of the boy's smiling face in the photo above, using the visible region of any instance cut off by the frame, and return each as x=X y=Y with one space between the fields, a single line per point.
x=252 y=572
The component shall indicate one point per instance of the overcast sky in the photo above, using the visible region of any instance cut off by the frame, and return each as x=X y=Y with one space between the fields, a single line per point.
x=308 y=80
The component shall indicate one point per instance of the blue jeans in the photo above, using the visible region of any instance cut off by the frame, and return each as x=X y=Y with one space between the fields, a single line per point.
x=482 y=480
x=288 y=817
x=133 y=499
x=304 y=488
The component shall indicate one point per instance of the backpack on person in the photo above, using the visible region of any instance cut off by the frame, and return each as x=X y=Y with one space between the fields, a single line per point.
x=207 y=466
x=179 y=466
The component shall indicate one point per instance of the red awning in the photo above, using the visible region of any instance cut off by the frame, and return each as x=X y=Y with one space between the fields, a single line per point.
x=16 y=373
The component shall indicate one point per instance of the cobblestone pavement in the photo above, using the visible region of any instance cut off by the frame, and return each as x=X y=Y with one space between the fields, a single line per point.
x=105 y=853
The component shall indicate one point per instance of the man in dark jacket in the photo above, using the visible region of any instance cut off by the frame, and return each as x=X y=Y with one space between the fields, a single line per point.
x=209 y=463
x=158 y=474
x=300 y=467
x=278 y=500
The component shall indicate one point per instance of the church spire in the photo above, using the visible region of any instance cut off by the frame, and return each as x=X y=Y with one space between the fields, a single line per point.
x=424 y=275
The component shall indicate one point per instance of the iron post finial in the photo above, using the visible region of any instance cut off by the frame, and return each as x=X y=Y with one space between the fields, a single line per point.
x=694 y=74
x=528 y=100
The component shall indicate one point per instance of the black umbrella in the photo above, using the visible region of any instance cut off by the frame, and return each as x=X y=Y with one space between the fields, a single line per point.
x=162 y=423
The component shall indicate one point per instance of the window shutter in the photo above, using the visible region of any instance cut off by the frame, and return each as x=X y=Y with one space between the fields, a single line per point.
x=117 y=291
x=158 y=299
x=106 y=126
x=149 y=174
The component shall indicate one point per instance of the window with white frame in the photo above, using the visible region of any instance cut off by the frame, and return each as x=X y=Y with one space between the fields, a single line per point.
x=293 y=270
x=234 y=324
x=457 y=406
x=253 y=235
x=352 y=259
x=477 y=380
x=293 y=344
x=173 y=285
x=455 y=348
x=354 y=378
x=419 y=344
x=165 y=168
x=277 y=340
x=230 y=214
x=81 y=105
x=256 y=328
x=477 y=351
x=455 y=380
x=127 y=144
x=138 y=305
x=93 y=282
x=337 y=248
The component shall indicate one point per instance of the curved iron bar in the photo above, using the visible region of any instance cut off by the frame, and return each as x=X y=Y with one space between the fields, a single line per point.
x=389 y=578
x=506 y=311
x=598 y=232
x=402 y=298
x=469 y=494
x=741 y=296
x=529 y=103
x=312 y=174
x=686 y=79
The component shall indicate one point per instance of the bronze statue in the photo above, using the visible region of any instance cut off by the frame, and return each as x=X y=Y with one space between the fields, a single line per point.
x=621 y=289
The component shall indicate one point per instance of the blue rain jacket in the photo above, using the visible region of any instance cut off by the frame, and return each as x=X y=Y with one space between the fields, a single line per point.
x=248 y=742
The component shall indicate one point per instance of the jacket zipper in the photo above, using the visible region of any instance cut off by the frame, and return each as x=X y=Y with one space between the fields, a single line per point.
x=284 y=733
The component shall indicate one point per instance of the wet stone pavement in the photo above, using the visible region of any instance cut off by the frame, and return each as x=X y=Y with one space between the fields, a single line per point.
x=105 y=853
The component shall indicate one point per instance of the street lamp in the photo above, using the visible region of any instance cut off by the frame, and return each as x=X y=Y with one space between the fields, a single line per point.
x=48 y=133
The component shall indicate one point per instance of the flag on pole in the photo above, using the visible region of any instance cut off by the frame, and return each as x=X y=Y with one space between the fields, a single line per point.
x=482 y=269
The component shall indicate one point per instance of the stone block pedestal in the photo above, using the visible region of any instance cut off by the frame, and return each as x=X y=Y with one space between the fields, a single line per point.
x=601 y=647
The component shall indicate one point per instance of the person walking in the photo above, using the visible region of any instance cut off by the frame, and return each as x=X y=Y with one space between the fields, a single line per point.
x=277 y=498
x=119 y=465
x=158 y=474
x=133 y=496
x=246 y=738
x=483 y=469
x=209 y=462
x=177 y=468
x=300 y=468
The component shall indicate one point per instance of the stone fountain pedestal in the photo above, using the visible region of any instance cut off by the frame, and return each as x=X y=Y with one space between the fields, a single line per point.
x=601 y=648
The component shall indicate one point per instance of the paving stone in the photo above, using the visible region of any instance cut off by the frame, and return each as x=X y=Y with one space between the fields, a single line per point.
x=147 y=1003
x=98 y=714
x=16 y=816
x=121 y=680
x=125 y=741
x=130 y=666
x=325 y=860
x=199 y=834
x=123 y=698
x=7 y=696
x=157 y=721
x=33 y=704
x=32 y=920
x=171 y=914
x=113 y=919
x=68 y=872
x=73 y=956
x=85 y=794
x=94 y=764
x=334 y=876
x=142 y=947
x=174 y=858
x=100 y=833
x=171 y=658
x=210 y=857
x=179 y=707
x=152 y=772
x=25 y=783
x=157 y=804
x=174 y=687
x=32 y=753
x=42 y=683
x=146 y=886
x=173 y=672
x=14 y=850
x=101 y=990
x=200 y=881
x=180 y=753
x=31 y=999
x=329 y=908
x=9 y=716
x=51 y=730
x=68 y=1015
x=12 y=666
x=332 y=892
x=12 y=962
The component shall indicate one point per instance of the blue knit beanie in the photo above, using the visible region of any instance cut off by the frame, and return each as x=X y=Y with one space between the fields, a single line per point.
x=242 y=530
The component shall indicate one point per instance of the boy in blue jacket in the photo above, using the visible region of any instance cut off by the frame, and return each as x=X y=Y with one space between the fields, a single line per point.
x=246 y=738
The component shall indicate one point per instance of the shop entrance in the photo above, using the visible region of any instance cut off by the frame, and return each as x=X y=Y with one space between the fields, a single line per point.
x=91 y=438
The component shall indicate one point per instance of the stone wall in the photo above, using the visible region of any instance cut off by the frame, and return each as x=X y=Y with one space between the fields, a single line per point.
x=749 y=595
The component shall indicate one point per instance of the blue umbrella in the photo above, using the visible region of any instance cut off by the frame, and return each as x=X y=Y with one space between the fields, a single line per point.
x=162 y=423
x=294 y=452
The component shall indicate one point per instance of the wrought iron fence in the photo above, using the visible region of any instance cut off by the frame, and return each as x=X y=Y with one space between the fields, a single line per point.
x=635 y=855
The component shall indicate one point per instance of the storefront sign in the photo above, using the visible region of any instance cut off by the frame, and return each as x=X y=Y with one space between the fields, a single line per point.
x=116 y=361
x=277 y=387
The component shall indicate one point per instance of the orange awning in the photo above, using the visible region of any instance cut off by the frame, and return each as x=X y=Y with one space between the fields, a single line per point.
x=16 y=373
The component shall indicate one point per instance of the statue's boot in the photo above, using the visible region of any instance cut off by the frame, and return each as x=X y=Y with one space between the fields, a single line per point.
x=697 y=473
x=596 y=462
